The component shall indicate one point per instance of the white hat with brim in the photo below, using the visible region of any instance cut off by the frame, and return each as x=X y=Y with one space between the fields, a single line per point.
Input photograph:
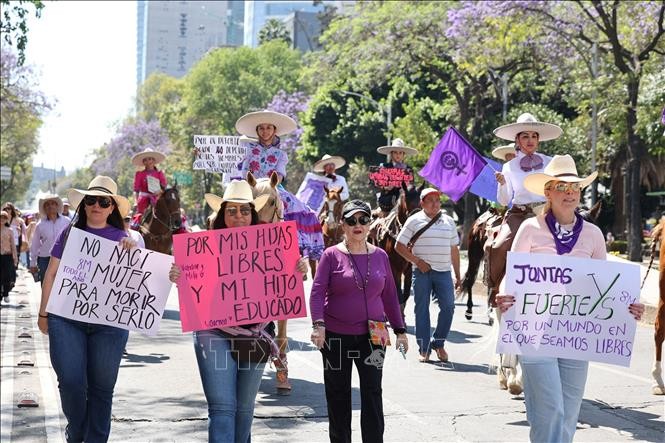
x=334 y=159
x=137 y=159
x=238 y=191
x=101 y=186
x=427 y=191
x=397 y=145
x=49 y=197
x=527 y=122
x=504 y=150
x=562 y=169
x=246 y=125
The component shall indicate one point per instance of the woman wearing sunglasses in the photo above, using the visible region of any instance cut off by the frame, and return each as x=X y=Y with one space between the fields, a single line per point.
x=86 y=356
x=230 y=386
x=353 y=286
x=553 y=387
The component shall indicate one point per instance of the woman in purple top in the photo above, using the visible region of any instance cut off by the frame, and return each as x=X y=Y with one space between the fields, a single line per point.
x=353 y=284
x=86 y=356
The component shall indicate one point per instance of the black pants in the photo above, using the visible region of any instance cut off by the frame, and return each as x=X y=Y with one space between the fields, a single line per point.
x=339 y=354
x=7 y=274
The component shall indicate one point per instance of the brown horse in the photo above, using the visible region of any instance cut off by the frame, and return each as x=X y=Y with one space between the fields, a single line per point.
x=658 y=236
x=384 y=235
x=273 y=212
x=158 y=228
x=331 y=217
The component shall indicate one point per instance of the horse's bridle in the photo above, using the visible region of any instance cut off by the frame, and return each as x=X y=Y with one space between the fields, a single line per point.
x=275 y=212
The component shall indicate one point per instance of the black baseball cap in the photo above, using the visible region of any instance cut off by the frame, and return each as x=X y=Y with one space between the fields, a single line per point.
x=354 y=206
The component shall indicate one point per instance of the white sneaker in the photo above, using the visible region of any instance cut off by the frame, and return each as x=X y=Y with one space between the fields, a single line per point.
x=5 y=299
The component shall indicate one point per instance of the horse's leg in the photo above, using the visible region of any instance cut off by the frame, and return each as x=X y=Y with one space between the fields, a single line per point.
x=469 y=305
x=659 y=336
x=312 y=267
x=282 y=375
x=406 y=291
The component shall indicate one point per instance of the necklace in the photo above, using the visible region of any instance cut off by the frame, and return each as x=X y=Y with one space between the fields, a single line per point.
x=355 y=267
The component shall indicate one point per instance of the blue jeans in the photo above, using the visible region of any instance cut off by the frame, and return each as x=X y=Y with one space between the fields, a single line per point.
x=86 y=358
x=230 y=387
x=42 y=265
x=440 y=285
x=553 y=390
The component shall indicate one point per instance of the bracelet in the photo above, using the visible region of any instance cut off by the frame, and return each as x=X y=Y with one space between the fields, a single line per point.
x=43 y=316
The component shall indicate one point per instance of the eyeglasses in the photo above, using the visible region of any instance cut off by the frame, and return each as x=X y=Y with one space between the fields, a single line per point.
x=233 y=210
x=564 y=187
x=352 y=221
x=104 y=202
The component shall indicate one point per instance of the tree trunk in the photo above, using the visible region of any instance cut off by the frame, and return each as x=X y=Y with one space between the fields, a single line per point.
x=635 y=155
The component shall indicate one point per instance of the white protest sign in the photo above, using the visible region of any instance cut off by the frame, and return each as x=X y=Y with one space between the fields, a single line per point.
x=569 y=307
x=153 y=184
x=218 y=153
x=100 y=282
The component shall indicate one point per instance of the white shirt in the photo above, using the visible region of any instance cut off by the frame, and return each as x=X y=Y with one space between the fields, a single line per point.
x=514 y=191
x=46 y=232
x=434 y=245
x=340 y=182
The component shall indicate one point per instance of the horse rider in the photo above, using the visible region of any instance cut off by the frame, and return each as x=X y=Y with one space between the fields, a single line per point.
x=527 y=132
x=149 y=181
x=396 y=155
x=328 y=166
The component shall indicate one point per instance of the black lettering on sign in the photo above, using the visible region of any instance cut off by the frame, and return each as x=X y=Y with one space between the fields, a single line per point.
x=90 y=247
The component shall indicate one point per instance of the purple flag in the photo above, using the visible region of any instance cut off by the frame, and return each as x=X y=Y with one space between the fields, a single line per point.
x=485 y=185
x=453 y=165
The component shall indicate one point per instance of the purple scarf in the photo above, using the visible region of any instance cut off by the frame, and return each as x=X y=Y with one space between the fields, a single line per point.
x=563 y=239
x=531 y=162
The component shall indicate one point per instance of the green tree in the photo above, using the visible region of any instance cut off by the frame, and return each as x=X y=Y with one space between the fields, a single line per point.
x=14 y=24
x=274 y=29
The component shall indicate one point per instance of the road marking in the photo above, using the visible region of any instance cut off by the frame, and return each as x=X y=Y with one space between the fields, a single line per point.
x=621 y=373
x=51 y=402
x=7 y=384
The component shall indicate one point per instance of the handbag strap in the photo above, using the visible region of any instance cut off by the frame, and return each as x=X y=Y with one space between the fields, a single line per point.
x=420 y=232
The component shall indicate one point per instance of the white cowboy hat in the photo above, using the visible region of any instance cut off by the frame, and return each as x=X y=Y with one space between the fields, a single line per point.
x=137 y=159
x=238 y=191
x=527 y=122
x=504 y=150
x=334 y=159
x=101 y=186
x=246 y=125
x=55 y=198
x=397 y=145
x=560 y=168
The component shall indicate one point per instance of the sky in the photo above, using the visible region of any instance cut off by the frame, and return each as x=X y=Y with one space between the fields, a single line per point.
x=84 y=53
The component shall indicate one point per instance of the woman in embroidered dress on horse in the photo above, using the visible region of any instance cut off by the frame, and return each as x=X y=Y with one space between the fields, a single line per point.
x=262 y=158
x=396 y=154
x=149 y=181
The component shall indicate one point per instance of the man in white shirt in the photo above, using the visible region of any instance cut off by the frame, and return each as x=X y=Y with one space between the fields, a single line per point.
x=433 y=253
x=328 y=165
x=49 y=227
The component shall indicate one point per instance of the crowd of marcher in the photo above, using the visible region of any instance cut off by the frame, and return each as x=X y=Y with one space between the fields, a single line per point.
x=353 y=301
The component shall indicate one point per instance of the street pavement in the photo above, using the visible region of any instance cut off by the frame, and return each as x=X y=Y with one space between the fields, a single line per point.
x=159 y=397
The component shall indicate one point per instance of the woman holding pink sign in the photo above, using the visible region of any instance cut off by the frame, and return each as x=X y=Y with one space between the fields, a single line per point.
x=86 y=356
x=231 y=360
x=554 y=387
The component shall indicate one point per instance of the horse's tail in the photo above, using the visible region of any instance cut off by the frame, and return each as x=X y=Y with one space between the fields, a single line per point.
x=476 y=252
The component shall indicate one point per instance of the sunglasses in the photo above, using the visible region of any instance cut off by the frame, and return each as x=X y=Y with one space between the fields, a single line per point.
x=565 y=187
x=352 y=221
x=232 y=211
x=104 y=202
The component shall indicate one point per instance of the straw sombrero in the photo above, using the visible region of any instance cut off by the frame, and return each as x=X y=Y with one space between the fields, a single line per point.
x=560 y=168
x=527 y=122
x=137 y=159
x=103 y=186
x=397 y=145
x=504 y=150
x=238 y=191
x=335 y=159
x=47 y=197
x=246 y=125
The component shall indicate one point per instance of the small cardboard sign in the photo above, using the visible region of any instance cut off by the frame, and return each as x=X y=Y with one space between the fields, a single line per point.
x=382 y=177
x=218 y=153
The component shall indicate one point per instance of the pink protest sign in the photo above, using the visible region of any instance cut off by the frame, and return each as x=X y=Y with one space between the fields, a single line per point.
x=239 y=276
x=389 y=177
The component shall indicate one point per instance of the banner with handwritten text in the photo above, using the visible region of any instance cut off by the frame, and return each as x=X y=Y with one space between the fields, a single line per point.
x=382 y=177
x=569 y=307
x=100 y=282
x=218 y=153
x=239 y=276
